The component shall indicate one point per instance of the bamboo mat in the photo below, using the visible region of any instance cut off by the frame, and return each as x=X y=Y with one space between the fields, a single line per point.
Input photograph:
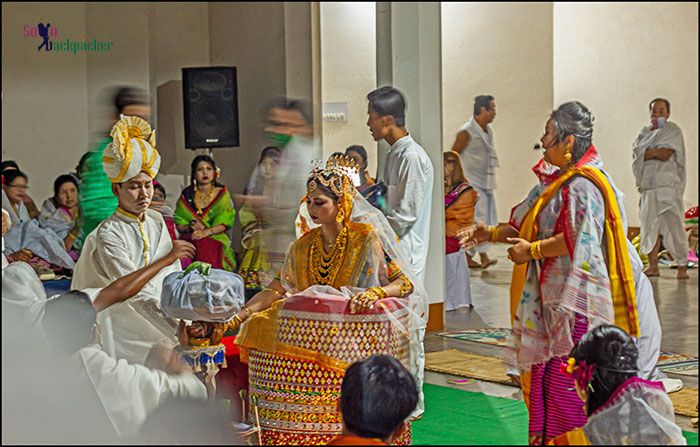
x=685 y=402
x=459 y=363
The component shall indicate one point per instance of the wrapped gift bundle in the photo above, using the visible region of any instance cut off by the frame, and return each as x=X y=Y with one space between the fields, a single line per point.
x=201 y=293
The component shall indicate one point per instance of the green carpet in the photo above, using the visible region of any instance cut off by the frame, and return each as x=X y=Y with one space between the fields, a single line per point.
x=457 y=417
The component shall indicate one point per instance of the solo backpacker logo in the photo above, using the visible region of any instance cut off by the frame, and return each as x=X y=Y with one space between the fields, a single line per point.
x=47 y=32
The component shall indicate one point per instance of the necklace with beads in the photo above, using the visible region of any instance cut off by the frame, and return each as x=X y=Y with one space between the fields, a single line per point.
x=325 y=267
x=203 y=199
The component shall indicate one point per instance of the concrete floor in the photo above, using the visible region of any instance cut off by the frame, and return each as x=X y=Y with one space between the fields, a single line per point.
x=677 y=303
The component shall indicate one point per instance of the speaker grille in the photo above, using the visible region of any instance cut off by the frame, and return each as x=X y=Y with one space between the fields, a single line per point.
x=211 y=107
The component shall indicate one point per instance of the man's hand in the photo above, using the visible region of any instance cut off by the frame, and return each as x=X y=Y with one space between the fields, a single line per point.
x=181 y=250
x=519 y=252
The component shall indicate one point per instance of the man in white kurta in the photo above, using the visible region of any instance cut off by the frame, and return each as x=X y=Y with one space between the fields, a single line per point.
x=659 y=172
x=130 y=239
x=475 y=145
x=408 y=174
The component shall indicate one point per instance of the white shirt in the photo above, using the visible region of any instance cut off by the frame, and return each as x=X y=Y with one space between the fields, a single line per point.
x=479 y=158
x=118 y=246
x=652 y=174
x=130 y=393
x=409 y=178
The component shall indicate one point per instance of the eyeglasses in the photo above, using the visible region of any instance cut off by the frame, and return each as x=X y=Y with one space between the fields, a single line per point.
x=19 y=186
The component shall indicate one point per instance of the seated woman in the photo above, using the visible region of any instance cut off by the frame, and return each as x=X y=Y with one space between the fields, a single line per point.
x=60 y=212
x=621 y=407
x=349 y=265
x=26 y=240
x=460 y=199
x=254 y=266
x=32 y=210
x=204 y=213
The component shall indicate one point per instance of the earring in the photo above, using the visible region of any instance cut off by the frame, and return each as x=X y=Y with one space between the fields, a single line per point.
x=341 y=216
x=567 y=153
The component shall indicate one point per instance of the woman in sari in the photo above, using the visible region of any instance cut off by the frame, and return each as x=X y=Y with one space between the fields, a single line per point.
x=60 y=212
x=204 y=213
x=573 y=268
x=254 y=266
x=350 y=298
x=460 y=199
x=622 y=408
x=26 y=240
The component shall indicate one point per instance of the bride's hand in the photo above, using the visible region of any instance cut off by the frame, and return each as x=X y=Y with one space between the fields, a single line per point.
x=362 y=302
x=473 y=235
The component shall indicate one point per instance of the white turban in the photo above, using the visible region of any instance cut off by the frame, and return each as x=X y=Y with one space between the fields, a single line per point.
x=132 y=150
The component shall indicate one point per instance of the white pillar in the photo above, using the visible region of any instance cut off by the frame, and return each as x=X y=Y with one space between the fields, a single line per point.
x=409 y=57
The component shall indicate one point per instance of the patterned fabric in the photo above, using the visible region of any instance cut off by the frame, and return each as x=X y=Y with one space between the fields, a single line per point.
x=295 y=376
x=459 y=212
x=215 y=250
x=254 y=266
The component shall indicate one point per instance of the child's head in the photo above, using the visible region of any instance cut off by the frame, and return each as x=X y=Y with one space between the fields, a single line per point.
x=612 y=355
x=377 y=395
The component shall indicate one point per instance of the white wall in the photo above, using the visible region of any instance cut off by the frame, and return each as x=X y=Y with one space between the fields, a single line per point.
x=615 y=58
x=504 y=50
x=348 y=73
x=44 y=104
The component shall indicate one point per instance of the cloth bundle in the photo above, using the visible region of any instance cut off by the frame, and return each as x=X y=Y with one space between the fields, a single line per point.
x=201 y=293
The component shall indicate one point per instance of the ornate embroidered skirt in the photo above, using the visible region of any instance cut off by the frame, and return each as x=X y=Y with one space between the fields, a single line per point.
x=297 y=387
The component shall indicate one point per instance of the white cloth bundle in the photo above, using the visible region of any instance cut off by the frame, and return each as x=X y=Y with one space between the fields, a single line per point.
x=202 y=294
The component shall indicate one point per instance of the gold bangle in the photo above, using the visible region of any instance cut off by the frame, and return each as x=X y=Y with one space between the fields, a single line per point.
x=273 y=290
x=381 y=293
x=494 y=233
x=405 y=287
x=536 y=250
x=238 y=320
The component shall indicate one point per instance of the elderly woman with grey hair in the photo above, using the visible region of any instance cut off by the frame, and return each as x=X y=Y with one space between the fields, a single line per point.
x=574 y=269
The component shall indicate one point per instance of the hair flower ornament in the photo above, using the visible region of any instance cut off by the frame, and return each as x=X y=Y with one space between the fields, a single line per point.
x=581 y=372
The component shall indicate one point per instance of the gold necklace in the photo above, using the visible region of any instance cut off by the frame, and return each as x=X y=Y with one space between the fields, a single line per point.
x=325 y=267
x=206 y=200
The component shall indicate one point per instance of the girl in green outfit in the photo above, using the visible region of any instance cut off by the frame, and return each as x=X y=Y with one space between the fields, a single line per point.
x=204 y=214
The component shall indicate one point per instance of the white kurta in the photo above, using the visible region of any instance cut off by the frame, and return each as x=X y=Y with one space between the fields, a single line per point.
x=409 y=178
x=479 y=161
x=130 y=393
x=408 y=175
x=118 y=246
x=457 y=284
x=661 y=185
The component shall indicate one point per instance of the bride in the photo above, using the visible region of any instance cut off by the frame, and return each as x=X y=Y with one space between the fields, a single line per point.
x=343 y=294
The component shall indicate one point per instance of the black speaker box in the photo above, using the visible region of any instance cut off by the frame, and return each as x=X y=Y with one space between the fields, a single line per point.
x=210 y=96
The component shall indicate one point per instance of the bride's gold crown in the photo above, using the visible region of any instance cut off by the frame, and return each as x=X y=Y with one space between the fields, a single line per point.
x=341 y=175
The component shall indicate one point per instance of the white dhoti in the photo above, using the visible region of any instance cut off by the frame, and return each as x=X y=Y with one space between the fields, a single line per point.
x=661 y=213
x=457 y=291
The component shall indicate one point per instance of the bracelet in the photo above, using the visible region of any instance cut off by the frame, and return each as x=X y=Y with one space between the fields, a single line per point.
x=494 y=232
x=404 y=288
x=536 y=250
x=238 y=320
x=273 y=290
x=378 y=292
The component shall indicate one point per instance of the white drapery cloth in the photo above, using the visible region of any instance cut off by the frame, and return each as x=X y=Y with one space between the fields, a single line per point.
x=661 y=185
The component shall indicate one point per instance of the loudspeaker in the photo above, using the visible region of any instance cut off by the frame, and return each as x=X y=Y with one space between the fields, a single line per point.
x=210 y=96
x=170 y=134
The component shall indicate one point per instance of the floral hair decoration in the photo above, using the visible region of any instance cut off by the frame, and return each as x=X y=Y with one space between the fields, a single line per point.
x=581 y=372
